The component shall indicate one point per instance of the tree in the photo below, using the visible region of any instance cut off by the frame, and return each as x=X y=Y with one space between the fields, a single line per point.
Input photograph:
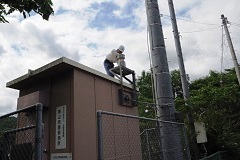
x=146 y=90
x=218 y=106
x=41 y=7
x=178 y=95
x=145 y=95
x=214 y=100
x=7 y=124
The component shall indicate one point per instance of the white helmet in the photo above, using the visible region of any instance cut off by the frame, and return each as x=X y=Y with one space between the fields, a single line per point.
x=121 y=48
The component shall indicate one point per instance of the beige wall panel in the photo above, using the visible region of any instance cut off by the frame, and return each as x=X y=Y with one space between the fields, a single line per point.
x=60 y=95
x=132 y=111
x=32 y=99
x=84 y=117
x=134 y=139
x=103 y=92
x=108 y=134
x=121 y=138
x=46 y=123
x=117 y=108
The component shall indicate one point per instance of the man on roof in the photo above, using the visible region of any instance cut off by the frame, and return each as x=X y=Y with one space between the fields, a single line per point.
x=111 y=58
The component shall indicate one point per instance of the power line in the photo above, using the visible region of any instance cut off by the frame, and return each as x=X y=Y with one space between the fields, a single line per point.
x=151 y=69
x=190 y=20
x=202 y=30
x=197 y=23
x=235 y=24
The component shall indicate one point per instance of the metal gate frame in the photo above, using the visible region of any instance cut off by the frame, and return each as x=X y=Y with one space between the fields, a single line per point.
x=100 y=114
x=38 y=126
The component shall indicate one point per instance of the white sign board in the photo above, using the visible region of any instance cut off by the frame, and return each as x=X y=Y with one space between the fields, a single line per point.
x=61 y=156
x=61 y=127
x=201 y=132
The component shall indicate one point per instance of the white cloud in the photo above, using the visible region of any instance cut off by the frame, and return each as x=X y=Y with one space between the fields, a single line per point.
x=117 y=13
x=69 y=34
x=121 y=3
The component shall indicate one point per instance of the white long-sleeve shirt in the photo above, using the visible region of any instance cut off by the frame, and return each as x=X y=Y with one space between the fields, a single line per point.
x=112 y=56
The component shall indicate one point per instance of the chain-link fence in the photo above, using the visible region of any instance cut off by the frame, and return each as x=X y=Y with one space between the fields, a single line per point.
x=125 y=137
x=21 y=134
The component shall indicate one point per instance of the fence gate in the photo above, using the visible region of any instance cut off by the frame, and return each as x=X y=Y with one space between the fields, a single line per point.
x=125 y=137
x=21 y=134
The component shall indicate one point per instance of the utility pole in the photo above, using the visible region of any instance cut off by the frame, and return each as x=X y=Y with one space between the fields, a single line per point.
x=186 y=95
x=170 y=140
x=236 y=65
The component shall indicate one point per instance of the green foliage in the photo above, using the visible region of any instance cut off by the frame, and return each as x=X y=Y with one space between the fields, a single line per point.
x=218 y=106
x=145 y=95
x=146 y=91
x=214 y=101
x=8 y=123
x=41 y=7
x=176 y=84
x=178 y=94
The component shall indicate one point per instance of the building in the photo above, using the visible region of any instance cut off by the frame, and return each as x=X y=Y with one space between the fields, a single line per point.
x=72 y=94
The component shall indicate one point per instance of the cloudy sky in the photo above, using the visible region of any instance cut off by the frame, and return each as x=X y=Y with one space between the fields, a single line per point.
x=86 y=30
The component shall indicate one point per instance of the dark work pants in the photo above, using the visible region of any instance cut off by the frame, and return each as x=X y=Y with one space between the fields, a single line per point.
x=108 y=65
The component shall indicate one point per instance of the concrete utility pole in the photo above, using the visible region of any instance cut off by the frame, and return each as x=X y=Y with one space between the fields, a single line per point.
x=170 y=140
x=236 y=65
x=186 y=95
